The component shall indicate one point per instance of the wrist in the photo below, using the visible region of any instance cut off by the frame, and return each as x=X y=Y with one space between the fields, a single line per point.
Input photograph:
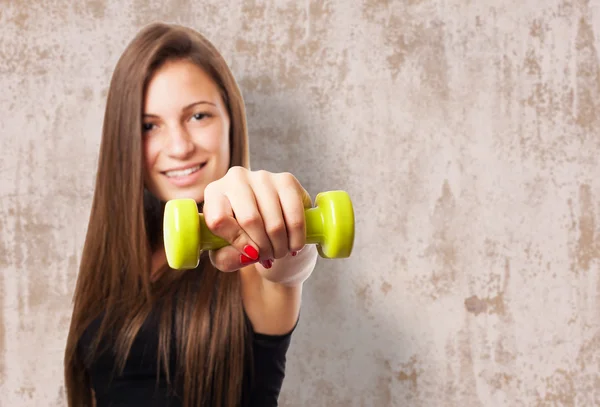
x=291 y=271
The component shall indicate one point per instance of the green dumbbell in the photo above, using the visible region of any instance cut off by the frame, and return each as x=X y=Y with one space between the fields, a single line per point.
x=329 y=225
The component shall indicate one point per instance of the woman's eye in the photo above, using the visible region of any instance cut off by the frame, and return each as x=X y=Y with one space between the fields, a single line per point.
x=199 y=116
x=147 y=127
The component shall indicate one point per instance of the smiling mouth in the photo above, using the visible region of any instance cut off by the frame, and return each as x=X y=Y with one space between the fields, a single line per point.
x=184 y=172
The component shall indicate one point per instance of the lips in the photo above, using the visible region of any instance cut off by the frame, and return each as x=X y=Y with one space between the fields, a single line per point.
x=184 y=172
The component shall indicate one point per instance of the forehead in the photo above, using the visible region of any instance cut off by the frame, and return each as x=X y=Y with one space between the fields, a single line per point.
x=177 y=84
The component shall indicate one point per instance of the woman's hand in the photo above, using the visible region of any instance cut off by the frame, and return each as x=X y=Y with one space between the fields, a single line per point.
x=261 y=214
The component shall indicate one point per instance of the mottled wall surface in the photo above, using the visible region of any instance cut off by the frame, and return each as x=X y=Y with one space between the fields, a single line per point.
x=467 y=133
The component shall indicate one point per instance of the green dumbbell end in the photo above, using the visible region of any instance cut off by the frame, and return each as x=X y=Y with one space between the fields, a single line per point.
x=330 y=224
x=180 y=229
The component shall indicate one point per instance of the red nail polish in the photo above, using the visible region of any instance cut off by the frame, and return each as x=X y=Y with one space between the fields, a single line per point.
x=294 y=253
x=251 y=252
x=245 y=260
x=267 y=264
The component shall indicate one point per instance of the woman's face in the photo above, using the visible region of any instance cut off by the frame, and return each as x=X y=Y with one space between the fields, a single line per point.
x=186 y=132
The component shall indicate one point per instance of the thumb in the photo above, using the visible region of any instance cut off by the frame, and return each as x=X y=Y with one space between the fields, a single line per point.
x=229 y=259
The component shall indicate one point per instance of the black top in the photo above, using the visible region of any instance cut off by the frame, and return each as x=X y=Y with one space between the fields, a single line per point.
x=137 y=385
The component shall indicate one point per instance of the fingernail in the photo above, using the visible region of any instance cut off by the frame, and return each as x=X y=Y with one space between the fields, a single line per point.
x=245 y=260
x=294 y=253
x=267 y=264
x=251 y=252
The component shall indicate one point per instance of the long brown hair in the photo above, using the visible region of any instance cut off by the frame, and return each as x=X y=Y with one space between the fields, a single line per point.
x=125 y=228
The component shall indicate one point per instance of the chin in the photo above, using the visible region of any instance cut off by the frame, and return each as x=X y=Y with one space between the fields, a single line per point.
x=197 y=196
x=166 y=193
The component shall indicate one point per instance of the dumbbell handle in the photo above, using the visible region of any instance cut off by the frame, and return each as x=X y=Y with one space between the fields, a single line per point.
x=314 y=231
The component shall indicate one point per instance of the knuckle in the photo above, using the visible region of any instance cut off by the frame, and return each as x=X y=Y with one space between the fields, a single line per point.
x=215 y=222
x=236 y=171
x=239 y=237
x=248 y=221
x=296 y=224
x=262 y=176
x=276 y=229
x=288 y=180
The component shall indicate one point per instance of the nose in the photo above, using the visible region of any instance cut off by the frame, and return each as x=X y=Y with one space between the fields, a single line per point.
x=180 y=144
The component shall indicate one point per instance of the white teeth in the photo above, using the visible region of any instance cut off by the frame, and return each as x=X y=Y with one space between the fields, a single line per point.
x=182 y=173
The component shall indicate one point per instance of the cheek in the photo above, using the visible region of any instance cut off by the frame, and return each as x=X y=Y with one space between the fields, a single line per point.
x=151 y=151
x=215 y=141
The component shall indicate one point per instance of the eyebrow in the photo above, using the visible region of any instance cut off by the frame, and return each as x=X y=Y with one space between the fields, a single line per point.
x=201 y=102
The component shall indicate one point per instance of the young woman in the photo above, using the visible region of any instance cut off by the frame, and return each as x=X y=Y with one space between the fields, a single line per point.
x=143 y=334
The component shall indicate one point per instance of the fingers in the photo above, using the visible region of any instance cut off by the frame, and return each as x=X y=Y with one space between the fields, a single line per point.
x=260 y=214
x=221 y=220
x=269 y=206
x=247 y=205
x=293 y=199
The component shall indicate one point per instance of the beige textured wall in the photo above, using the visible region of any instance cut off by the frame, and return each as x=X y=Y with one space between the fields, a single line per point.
x=466 y=132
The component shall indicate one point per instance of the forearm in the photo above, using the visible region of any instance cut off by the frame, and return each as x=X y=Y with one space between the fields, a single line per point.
x=274 y=306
